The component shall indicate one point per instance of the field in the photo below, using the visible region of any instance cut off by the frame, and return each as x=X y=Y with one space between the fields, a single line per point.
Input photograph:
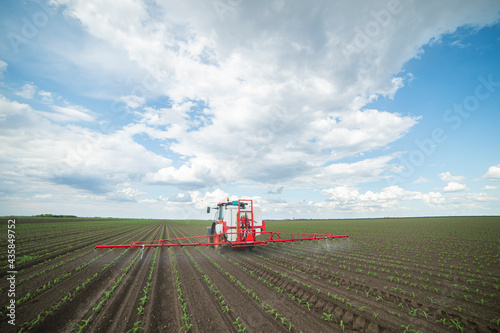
x=391 y=275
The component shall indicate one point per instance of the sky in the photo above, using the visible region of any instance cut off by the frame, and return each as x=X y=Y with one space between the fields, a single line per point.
x=317 y=109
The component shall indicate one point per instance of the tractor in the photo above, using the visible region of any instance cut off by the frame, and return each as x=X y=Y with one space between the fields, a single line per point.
x=236 y=223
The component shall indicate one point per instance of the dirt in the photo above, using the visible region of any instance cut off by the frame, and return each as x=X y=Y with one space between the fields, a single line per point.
x=303 y=287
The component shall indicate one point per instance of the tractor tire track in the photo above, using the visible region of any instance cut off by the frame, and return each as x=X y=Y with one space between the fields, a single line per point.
x=299 y=316
x=162 y=310
x=251 y=314
x=119 y=312
x=209 y=315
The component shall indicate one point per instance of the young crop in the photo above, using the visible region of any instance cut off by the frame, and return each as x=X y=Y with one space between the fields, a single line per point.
x=457 y=324
x=342 y=327
x=442 y=321
x=140 y=310
x=187 y=322
x=136 y=327
x=413 y=312
x=44 y=314
x=329 y=317
x=407 y=328
x=82 y=327
x=239 y=325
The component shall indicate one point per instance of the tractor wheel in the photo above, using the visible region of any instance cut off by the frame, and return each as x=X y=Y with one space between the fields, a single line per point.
x=212 y=237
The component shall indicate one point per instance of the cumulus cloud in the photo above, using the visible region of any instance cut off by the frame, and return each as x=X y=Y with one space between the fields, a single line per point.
x=133 y=101
x=349 y=198
x=226 y=103
x=185 y=177
x=3 y=67
x=286 y=112
x=447 y=177
x=276 y=190
x=204 y=200
x=493 y=173
x=69 y=113
x=43 y=196
x=68 y=155
x=126 y=194
x=454 y=187
x=27 y=91
x=180 y=197
x=46 y=96
x=277 y=110
x=421 y=180
x=366 y=170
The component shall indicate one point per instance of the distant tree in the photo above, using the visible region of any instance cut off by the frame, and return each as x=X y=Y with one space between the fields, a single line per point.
x=53 y=215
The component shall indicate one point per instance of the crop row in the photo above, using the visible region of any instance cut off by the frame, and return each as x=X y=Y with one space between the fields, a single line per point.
x=106 y=296
x=212 y=287
x=277 y=316
x=63 y=262
x=67 y=298
x=46 y=286
x=412 y=309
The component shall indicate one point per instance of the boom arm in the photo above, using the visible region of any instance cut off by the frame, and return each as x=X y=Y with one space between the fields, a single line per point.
x=220 y=239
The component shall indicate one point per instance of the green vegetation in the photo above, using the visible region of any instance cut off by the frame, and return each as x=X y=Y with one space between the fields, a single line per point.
x=53 y=215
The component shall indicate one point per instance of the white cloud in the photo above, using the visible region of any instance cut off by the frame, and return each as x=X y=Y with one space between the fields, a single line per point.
x=46 y=96
x=55 y=155
x=421 y=180
x=69 y=113
x=43 y=196
x=255 y=95
x=433 y=198
x=3 y=67
x=447 y=177
x=180 y=197
x=342 y=193
x=489 y=187
x=454 y=187
x=186 y=177
x=366 y=170
x=284 y=104
x=202 y=201
x=133 y=101
x=390 y=198
x=126 y=194
x=493 y=173
x=27 y=91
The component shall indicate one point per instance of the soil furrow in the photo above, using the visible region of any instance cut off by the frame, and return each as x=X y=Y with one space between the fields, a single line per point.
x=251 y=314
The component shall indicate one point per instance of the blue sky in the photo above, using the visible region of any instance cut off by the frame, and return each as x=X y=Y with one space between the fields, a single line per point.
x=319 y=110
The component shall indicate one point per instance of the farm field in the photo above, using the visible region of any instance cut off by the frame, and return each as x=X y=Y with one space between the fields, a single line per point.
x=391 y=275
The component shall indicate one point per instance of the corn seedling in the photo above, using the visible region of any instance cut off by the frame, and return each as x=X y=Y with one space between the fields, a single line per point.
x=136 y=327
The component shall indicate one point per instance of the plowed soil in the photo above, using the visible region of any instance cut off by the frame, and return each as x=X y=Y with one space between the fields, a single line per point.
x=363 y=284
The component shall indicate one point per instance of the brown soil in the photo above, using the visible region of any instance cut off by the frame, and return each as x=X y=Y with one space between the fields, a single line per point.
x=301 y=282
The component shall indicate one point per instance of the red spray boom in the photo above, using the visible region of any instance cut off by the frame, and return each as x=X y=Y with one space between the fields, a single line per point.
x=236 y=224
